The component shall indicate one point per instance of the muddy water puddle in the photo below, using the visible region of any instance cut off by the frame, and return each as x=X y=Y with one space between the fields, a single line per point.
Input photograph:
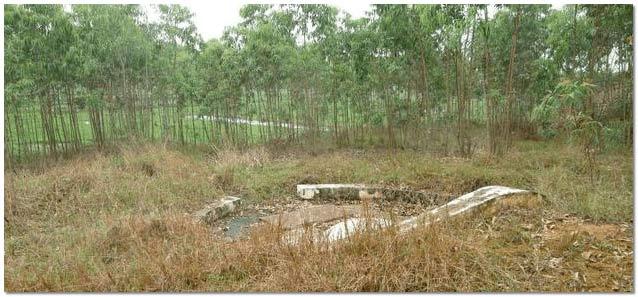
x=239 y=225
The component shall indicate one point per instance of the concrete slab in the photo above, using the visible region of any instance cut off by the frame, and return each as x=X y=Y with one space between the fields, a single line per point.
x=313 y=214
x=344 y=229
x=487 y=199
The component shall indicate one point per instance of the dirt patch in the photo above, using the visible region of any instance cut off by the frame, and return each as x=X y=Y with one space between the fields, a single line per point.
x=569 y=224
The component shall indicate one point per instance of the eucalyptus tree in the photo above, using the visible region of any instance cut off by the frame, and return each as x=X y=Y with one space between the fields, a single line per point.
x=38 y=40
x=533 y=73
x=490 y=104
x=212 y=76
x=402 y=75
x=607 y=64
x=268 y=49
x=19 y=83
x=459 y=30
x=360 y=42
x=391 y=24
x=330 y=47
x=115 y=52
x=569 y=39
x=178 y=34
x=319 y=54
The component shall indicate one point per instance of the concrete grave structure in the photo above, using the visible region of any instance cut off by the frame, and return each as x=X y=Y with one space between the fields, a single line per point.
x=218 y=209
x=487 y=200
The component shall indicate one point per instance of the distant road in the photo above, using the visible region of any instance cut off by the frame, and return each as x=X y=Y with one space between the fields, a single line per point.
x=251 y=122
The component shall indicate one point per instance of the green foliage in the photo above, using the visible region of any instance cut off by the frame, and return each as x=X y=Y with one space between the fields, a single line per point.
x=562 y=110
x=615 y=134
x=402 y=70
x=565 y=111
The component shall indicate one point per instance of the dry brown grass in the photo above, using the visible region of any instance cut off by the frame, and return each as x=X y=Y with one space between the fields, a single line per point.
x=122 y=223
x=174 y=253
x=233 y=157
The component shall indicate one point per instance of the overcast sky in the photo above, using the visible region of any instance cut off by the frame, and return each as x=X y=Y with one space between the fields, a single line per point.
x=211 y=18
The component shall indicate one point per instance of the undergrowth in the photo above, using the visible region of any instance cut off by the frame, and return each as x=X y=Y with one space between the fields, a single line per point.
x=121 y=221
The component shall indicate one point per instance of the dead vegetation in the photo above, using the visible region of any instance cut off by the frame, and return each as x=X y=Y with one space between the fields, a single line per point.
x=121 y=222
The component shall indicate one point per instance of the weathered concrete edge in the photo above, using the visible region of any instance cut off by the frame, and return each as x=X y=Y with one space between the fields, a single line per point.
x=219 y=209
x=308 y=191
x=455 y=207
x=356 y=192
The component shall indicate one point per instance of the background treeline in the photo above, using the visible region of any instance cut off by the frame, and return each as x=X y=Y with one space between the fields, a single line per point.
x=450 y=78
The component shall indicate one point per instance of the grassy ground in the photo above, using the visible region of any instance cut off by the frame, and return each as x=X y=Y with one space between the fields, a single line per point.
x=121 y=221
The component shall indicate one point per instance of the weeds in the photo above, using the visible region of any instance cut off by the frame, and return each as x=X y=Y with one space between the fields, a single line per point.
x=105 y=223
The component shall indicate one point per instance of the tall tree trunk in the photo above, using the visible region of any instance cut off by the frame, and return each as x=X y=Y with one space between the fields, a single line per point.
x=489 y=106
x=334 y=113
x=424 y=84
x=47 y=121
x=510 y=79
x=591 y=65
x=572 y=50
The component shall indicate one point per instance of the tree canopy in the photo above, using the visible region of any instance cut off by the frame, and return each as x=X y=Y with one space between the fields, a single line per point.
x=446 y=77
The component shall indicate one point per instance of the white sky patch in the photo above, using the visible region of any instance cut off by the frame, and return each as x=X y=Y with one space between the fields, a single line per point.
x=212 y=18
